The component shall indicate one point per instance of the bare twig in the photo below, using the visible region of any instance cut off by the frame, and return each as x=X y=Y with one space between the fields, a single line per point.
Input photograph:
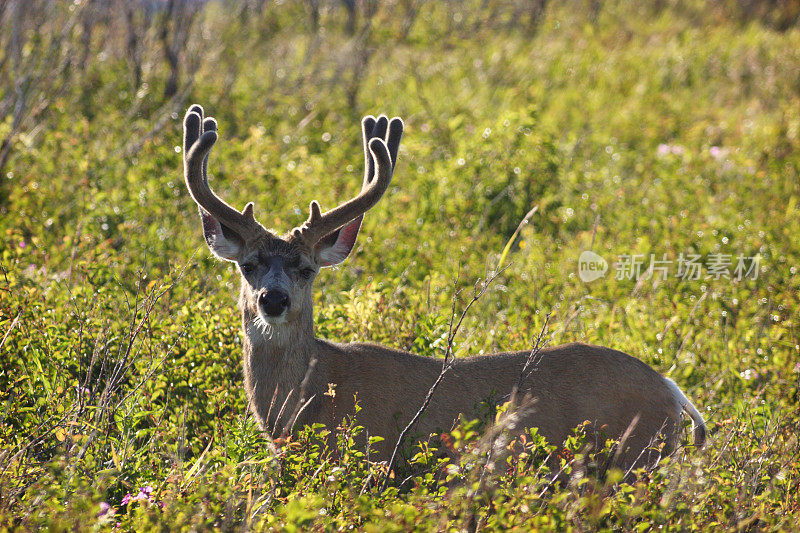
x=533 y=358
x=302 y=403
x=11 y=327
x=447 y=364
x=509 y=420
x=491 y=441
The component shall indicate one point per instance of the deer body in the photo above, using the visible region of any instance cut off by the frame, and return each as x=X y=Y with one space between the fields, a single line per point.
x=572 y=384
x=293 y=378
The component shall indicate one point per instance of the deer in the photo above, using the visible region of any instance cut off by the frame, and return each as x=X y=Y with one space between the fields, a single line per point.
x=570 y=385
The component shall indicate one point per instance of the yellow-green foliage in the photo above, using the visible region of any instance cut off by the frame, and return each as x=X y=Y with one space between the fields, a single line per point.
x=661 y=129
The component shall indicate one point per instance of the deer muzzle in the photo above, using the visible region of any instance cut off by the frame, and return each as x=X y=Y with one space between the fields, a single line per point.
x=273 y=303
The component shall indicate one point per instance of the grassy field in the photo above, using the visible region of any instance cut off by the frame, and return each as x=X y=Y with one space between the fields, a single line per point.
x=666 y=132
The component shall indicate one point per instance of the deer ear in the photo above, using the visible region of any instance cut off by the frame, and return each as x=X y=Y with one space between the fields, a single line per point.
x=224 y=243
x=334 y=248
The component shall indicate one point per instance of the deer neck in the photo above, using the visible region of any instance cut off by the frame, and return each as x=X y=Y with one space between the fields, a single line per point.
x=276 y=359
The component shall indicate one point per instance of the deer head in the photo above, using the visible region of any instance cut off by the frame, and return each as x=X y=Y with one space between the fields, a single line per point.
x=278 y=271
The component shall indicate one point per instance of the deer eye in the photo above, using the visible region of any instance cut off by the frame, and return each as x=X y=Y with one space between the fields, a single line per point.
x=307 y=272
x=247 y=269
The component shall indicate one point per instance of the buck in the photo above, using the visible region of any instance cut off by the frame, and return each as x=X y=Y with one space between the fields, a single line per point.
x=283 y=359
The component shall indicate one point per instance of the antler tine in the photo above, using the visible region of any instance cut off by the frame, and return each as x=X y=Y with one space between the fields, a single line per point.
x=197 y=145
x=367 y=125
x=393 y=137
x=389 y=130
x=378 y=132
x=209 y=124
x=320 y=224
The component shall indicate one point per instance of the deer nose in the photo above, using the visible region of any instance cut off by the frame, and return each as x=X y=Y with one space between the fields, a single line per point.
x=273 y=302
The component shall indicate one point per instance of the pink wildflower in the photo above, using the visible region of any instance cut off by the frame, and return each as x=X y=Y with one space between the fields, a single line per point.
x=105 y=509
x=145 y=494
x=717 y=153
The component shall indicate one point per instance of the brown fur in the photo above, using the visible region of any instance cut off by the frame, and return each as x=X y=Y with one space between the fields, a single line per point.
x=571 y=384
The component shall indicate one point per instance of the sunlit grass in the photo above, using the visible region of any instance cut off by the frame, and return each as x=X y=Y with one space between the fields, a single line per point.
x=666 y=133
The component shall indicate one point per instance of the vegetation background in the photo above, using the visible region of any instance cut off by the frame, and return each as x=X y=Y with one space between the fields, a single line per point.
x=666 y=127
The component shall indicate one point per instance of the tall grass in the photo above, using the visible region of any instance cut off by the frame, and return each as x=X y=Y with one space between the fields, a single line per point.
x=667 y=130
